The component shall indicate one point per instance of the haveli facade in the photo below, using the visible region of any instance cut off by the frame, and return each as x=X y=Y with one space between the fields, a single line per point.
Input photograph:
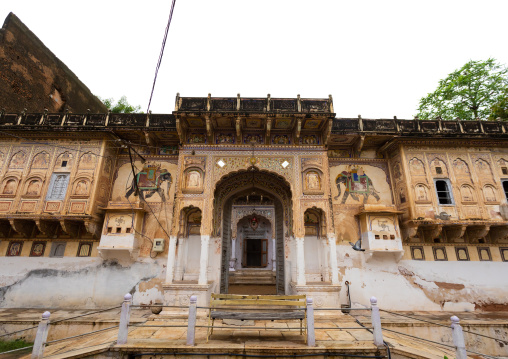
x=165 y=206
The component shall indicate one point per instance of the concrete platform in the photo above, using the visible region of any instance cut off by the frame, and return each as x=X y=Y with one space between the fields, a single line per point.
x=336 y=335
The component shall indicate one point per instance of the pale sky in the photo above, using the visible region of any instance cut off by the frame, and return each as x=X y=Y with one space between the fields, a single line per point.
x=376 y=58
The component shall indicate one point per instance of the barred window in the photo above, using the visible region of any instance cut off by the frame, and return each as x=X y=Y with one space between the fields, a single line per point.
x=444 y=195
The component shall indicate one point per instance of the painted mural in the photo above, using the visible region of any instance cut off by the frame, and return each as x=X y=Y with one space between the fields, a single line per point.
x=151 y=180
x=155 y=181
x=355 y=183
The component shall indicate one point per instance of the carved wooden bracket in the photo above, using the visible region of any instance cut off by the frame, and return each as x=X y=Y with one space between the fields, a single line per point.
x=208 y=126
x=328 y=133
x=70 y=227
x=298 y=128
x=238 y=127
x=5 y=228
x=268 y=129
x=23 y=227
x=475 y=232
x=94 y=228
x=432 y=232
x=453 y=233
x=49 y=228
x=408 y=230
x=497 y=233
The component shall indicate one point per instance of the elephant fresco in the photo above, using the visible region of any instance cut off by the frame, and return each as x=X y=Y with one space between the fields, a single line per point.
x=356 y=183
x=150 y=181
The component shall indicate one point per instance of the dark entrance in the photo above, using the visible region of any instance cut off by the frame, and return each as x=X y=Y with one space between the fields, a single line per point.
x=256 y=252
x=240 y=184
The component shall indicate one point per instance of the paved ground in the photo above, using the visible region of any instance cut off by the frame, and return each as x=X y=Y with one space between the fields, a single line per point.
x=334 y=331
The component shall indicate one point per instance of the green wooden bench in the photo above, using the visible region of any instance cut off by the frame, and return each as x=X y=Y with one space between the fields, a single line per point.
x=243 y=307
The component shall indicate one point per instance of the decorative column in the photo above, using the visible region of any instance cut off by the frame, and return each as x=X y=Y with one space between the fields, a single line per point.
x=274 y=255
x=179 y=258
x=300 y=261
x=203 y=260
x=232 y=261
x=170 y=268
x=334 y=270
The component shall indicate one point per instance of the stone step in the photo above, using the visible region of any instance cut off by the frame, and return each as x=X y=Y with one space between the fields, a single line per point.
x=249 y=277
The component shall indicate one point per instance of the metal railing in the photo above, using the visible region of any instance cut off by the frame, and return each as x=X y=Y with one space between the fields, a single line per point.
x=310 y=328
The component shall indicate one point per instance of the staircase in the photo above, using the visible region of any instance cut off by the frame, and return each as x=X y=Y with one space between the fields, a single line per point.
x=252 y=277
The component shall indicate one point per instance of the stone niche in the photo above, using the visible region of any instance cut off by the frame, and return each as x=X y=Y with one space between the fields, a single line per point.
x=121 y=231
x=380 y=230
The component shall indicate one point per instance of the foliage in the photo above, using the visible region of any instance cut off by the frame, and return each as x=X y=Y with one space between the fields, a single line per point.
x=500 y=109
x=122 y=106
x=468 y=93
x=7 y=345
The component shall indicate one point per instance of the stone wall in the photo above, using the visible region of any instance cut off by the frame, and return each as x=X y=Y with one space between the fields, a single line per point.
x=32 y=77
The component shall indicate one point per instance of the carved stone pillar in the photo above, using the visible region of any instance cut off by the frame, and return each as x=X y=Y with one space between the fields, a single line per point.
x=203 y=260
x=232 y=261
x=170 y=268
x=274 y=254
x=179 y=259
x=334 y=270
x=300 y=261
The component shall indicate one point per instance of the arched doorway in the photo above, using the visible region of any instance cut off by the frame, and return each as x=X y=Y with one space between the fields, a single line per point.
x=243 y=184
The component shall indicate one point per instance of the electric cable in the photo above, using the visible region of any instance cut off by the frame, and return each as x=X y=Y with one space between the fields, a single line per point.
x=161 y=54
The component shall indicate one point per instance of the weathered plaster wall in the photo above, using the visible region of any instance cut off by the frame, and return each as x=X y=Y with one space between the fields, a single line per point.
x=72 y=282
x=422 y=285
x=32 y=77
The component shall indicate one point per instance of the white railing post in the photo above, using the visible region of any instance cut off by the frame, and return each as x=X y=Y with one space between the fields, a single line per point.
x=311 y=336
x=41 y=336
x=458 y=339
x=376 y=323
x=191 y=321
x=123 y=330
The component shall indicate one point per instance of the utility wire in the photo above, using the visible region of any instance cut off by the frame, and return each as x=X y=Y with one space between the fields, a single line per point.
x=161 y=54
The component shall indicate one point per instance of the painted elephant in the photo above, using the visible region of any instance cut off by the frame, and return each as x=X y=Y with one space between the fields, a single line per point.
x=150 y=181
x=355 y=185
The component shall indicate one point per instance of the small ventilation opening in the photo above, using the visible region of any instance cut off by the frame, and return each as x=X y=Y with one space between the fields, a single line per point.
x=439 y=170
x=64 y=164
x=437 y=240
x=504 y=170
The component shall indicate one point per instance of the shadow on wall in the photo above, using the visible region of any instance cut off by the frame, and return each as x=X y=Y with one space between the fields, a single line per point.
x=95 y=285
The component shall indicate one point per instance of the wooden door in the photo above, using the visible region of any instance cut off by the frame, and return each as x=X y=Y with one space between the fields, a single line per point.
x=264 y=252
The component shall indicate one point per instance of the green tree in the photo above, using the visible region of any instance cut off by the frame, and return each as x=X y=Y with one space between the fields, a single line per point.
x=122 y=106
x=468 y=93
x=500 y=109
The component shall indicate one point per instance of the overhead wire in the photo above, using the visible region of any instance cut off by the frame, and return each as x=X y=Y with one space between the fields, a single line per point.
x=161 y=54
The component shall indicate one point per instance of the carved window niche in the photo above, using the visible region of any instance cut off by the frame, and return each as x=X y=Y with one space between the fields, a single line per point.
x=9 y=187
x=444 y=191
x=422 y=194
x=64 y=162
x=312 y=181
x=467 y=195
x=58 y=186
x=417 y=253
x=193 y=224
x=84 y=249
x=81 y=188
x=484 y=254
x=14 y=249
x=505 y=188
x=504 y=254
x=438 y=168
x=313 y=223
x=490 y=195
x=33 y=187
x=38 y=249
x=57 y=249
x=462 y=253
x=193 y=180
x=439 y=253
